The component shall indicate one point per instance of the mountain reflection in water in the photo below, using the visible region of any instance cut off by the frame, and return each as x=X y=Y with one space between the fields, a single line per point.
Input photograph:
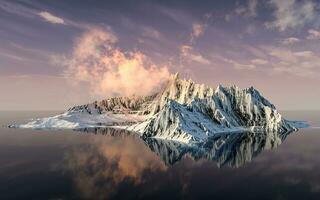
x=117 y=164
x=116 y=160
x=230 y=149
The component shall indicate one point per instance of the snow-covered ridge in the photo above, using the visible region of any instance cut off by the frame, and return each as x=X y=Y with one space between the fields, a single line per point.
x=116 y=105
x=183 y=111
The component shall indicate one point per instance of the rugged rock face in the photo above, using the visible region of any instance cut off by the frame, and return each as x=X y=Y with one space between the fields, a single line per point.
x=180 y=90
x=117 y=105
x=190 y=112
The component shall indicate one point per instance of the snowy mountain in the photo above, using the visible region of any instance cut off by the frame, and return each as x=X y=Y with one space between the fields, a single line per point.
x=183 y=111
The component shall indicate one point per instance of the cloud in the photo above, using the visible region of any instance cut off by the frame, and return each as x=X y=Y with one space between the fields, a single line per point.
x=17 y=9
x=51 y=18
x=227 y=17
x=280 y=61
x=188 y=54
x=300 y=63
x=250 y=10
x=251 y=29
x=287 y=55
x=241 y=10
x=237 y=65
x=16 y=52
x=252 y=7
x=291 y=14
x=109 y=70
x=197 y=30
x=259 y=61
x=313 y=34
x=290 y=40
x=13 y=56
x=151 y=33
x=304 y=54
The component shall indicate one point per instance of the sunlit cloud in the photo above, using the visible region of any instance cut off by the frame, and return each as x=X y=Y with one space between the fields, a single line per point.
x=108 y=70
x=51 y=18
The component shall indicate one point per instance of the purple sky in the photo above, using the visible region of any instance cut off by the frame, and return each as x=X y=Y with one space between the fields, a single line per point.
x=46 y=46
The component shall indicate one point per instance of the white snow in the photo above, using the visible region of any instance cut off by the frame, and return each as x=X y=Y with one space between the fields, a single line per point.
x=75 y=120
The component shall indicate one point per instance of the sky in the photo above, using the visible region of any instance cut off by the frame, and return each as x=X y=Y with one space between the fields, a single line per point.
x=56 y=54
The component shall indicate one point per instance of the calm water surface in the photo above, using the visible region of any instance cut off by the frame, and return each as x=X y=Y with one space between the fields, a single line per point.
x=110 y=164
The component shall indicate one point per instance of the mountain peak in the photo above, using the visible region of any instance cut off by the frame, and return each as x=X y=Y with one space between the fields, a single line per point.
x=176 y=76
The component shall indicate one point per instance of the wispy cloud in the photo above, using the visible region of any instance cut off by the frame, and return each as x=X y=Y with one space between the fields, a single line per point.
x=39 y=14
x=313 y=34
x=190 y=55
x=291 y=14
x=13 y=56
x=259 y=61
x=197 y=30
x=290 y=40
x=15 y=52
x=187 y=52
x=237 y=65
x=17 y=9
x=151 y=32
x=249 y=10
x=278 y=61
x=299 y=63
x=51 y=18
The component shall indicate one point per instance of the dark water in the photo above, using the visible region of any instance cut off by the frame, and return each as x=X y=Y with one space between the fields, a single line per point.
x=110 y=164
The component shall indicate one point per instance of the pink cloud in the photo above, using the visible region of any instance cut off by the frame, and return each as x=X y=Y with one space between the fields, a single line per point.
x=111 y=71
